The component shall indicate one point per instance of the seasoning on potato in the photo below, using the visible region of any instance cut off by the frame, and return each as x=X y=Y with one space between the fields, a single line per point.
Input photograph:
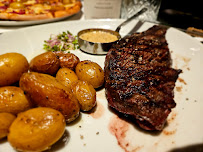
x=67 y=60
x=91 y=72
x=6 y=120
x=85 y=94
x=45 y=91
x=66 y=76
x=12 y=66
x=36 y=129
x=13 y=100
x=45 y=63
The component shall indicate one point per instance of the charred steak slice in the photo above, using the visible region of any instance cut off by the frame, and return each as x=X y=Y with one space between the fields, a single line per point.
x=139 y=80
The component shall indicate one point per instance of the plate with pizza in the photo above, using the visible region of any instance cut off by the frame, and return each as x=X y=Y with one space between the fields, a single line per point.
x=28 y=12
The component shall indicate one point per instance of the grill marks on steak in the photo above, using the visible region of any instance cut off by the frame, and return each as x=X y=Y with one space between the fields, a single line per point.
x=139 y=78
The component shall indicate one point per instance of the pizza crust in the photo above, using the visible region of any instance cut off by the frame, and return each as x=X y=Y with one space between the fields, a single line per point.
x=30 y=17
x=4 y=15
x=69 y=11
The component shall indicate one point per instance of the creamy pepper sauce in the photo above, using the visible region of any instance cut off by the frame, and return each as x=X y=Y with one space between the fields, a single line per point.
x=98 y=37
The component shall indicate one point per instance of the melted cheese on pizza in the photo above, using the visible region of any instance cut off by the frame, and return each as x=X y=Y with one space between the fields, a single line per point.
x=36 y=7
x=68 y=5
x=30 y=2
x=39 y=8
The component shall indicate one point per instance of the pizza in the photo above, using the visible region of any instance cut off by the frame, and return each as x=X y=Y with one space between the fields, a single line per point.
x=25 y=10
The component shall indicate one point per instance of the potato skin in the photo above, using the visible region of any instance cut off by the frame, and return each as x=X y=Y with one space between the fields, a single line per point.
x=47 y=63
x=45 y=91
x=13 y=100
x=91 y=72
x=12 y=66
x=66 y=76
x=85 y=94
x=6 y=120
x=36 y=129
x=67 y=60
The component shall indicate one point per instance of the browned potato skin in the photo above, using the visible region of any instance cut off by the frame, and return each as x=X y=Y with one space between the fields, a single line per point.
x=36 y=129
x=47 y=63
x=13 y=100
x=67 y=60
x=91 y=72
x=12 y=66
x=85 y=94
x=6 y=120
x=45 y=91
x=66 y=76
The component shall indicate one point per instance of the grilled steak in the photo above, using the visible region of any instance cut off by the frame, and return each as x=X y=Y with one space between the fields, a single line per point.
x=139 y=79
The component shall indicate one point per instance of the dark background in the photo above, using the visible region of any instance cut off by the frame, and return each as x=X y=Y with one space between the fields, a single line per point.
x=182 y=13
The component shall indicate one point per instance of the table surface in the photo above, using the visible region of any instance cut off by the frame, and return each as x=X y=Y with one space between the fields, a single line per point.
x=79 y=16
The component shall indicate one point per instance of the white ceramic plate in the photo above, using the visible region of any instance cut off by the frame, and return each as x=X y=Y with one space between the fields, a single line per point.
x=102 y=130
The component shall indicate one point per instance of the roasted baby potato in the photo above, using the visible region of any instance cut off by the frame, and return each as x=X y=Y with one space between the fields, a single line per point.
x=6 y=120
x=85 y=94
x=12 y=66
x=13 y=100
x=66 y=76
x=45 y=91
x=47 y=63
x=67 y=60
x=91 y=72
x=36 y=129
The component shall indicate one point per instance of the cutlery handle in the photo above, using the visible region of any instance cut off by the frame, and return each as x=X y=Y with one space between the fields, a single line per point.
x=129 y=19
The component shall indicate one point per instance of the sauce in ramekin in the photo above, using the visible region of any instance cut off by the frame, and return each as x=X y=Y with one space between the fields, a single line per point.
x=99 y=37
